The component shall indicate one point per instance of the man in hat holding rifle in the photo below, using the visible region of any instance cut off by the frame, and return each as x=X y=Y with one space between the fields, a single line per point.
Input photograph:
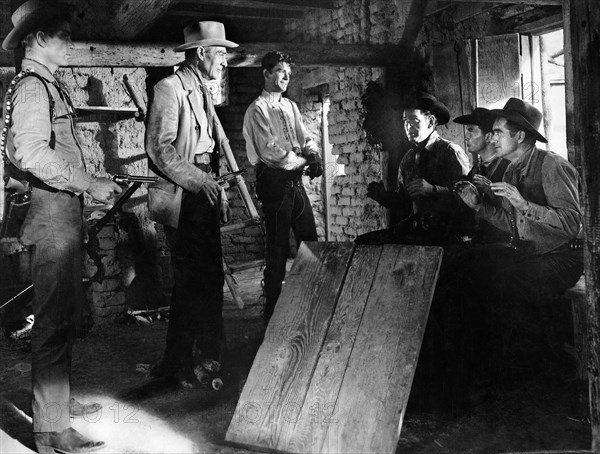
x=183 y=140
x=428 y=170
x=39 y=146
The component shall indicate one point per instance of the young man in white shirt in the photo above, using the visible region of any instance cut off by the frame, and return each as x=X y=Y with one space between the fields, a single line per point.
x=278 y=144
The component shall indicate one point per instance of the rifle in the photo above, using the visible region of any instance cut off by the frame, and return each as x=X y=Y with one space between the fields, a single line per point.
x=141 y=115
x=93 y=244
x=224 y=179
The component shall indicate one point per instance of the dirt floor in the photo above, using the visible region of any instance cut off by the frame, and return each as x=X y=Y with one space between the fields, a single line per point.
x=547 y=410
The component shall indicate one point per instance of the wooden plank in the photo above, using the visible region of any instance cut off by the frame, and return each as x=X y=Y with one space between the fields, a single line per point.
x=293 y=5
x=231 y=13
x=133 y=17
x=448 y=88
x=282 y=369
x=310 y=432
x=499 y=70
x=240 y=225
x=583 y=32
x=520 y=22
x=543 y=25
x=511 y=2
x=373 y=397
x=121 y=54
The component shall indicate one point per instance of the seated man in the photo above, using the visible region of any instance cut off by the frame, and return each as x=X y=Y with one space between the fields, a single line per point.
x=490 y=297
x=487 y=168
x=427 y=174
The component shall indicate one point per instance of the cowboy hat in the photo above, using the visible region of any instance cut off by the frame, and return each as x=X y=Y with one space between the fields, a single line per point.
x=523 y=114
x=26 y=17
x=480 y=117
x=425 y=101
x=204 y=34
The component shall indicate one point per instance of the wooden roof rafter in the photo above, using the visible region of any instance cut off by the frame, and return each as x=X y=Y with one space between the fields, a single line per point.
x=234 y=13
x=290 y=5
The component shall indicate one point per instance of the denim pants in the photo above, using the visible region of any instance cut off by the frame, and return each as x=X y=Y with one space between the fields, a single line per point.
x=53 y=227
x=285 y=205
x=196 y=319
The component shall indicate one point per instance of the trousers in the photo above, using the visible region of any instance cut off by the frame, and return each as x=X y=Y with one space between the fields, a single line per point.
x=285 y=206
x=53 y=229
x=487 y=318
x=196 y=319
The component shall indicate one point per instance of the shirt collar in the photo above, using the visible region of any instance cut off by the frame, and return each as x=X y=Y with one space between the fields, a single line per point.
x=271 y=97
x=36 y=66
x=522 y=164
x=433 y=137
x=195 y=71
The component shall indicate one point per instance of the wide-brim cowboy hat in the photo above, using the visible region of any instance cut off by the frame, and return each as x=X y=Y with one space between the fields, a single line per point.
x=425 y=101
x=480 y=117
x=27 y=16
x=204 y=34
x=523 y=114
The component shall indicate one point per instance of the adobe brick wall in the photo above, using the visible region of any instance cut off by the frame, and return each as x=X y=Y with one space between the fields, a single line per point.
x=353 y=21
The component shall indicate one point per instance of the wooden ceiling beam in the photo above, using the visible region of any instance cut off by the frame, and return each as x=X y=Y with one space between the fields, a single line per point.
x=544 y=25
x=133 y=17
x=264 y=4
x=112 y=54
x=522 y=23
x=513 y=2
x=237 y=13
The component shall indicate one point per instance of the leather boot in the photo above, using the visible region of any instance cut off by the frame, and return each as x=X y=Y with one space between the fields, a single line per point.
x=69 y=441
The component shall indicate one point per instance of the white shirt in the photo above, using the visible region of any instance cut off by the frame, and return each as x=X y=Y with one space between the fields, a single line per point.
x=275 y=133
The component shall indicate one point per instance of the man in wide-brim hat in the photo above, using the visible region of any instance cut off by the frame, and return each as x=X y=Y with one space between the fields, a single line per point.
x=38 y=135
x=429 y=168
x=541 y=217
x=488 y=167
x=184 y=139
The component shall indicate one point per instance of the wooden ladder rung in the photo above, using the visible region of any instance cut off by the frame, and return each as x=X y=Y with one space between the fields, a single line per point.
x=246 y=266
x=240 y=225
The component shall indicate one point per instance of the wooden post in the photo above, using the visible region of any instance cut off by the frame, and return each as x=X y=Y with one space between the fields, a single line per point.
x=582 y=61
x=329 y=164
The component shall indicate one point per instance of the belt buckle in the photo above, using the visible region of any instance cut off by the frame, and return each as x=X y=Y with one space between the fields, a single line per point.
x=203 y=158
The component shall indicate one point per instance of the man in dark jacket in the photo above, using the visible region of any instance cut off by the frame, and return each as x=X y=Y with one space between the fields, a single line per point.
x=427 y=174
x=487 y=168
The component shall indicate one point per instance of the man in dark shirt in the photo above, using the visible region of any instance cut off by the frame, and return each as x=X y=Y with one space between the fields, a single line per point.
x=487 y=168
x=489 y=297
x=428 y=172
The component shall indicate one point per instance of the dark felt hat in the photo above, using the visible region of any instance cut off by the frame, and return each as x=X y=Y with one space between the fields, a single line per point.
x=425 y=101
x=523 y=114
x=480 y=117
x=28 y=16
x=204 y=34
